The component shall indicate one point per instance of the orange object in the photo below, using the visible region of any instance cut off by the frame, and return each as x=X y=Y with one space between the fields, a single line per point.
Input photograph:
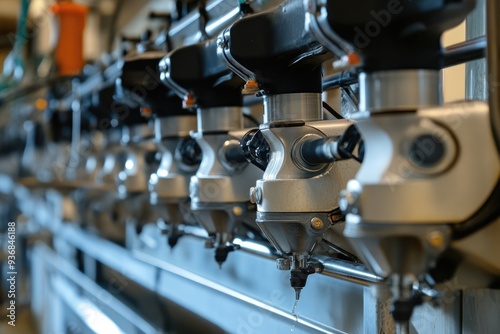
x=354 y=59
x=146 y=112
x=188 y=101
x=250 y=87
x=69 y=51
x=41 y=104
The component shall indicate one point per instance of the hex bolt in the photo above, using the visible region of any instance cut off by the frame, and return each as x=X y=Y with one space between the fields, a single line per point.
x=347 y=201
x=436 y=239
x=221 y=43
x=255 y=195
x=317 y=223
x=343 y=202
x=283 y=264
x=237 y=211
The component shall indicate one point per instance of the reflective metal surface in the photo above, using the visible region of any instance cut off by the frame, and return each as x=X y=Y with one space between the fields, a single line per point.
x=285 y=107
x=399 y=90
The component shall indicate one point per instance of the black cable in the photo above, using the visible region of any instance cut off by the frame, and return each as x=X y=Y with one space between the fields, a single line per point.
x=332 y=111
x=486 y=215
x=202 y=10
x=339 y=80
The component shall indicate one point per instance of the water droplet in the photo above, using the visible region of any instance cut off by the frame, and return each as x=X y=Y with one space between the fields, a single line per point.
x=296 y=315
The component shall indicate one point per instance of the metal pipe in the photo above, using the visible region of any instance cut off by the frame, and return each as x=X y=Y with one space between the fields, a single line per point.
x=469 y=50
x=347 y=271
x=318 y=151
x=338 y=80
x=492 y=28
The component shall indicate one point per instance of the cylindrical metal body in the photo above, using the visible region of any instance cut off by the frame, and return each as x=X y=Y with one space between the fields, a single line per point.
x=287 y=107
x=220 y=119
x=399 y=90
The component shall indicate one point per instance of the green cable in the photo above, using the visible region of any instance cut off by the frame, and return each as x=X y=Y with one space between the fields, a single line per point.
x=14 y=61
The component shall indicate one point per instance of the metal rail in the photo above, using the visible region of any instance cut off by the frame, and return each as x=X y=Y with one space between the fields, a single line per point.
x=492 y=31
x=100 y=297
x=143 y=269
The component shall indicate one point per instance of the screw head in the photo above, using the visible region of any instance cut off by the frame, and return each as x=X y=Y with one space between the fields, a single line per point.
x=348 y=200
x=343 y=202
x=237 y=210
x=255 y=195
x=221 y=43
x=436 y=239
x=317 y=223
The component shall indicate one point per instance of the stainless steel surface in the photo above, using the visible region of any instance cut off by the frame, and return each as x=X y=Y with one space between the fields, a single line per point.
x=213 y=183
x=378 y=318
x=347 y=271
x=137 y=141
x=291 y=211
x=404 y=247
x=383 y=246
x=128 y=252
x=218 y=190
x=220 y=119
x=171 y=181
x=476 y=76
x=182 y=276
x=386 y=174
x=292 y=196
x=493 y=28
x=221 y=14
x=480 y=311
x=399 y=90
x=174 y=126
x=286 y=107
x=191 y=282
x=81 y=294
x=286 y=187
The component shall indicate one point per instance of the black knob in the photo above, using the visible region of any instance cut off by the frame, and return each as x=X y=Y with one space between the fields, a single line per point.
x=427 y=151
